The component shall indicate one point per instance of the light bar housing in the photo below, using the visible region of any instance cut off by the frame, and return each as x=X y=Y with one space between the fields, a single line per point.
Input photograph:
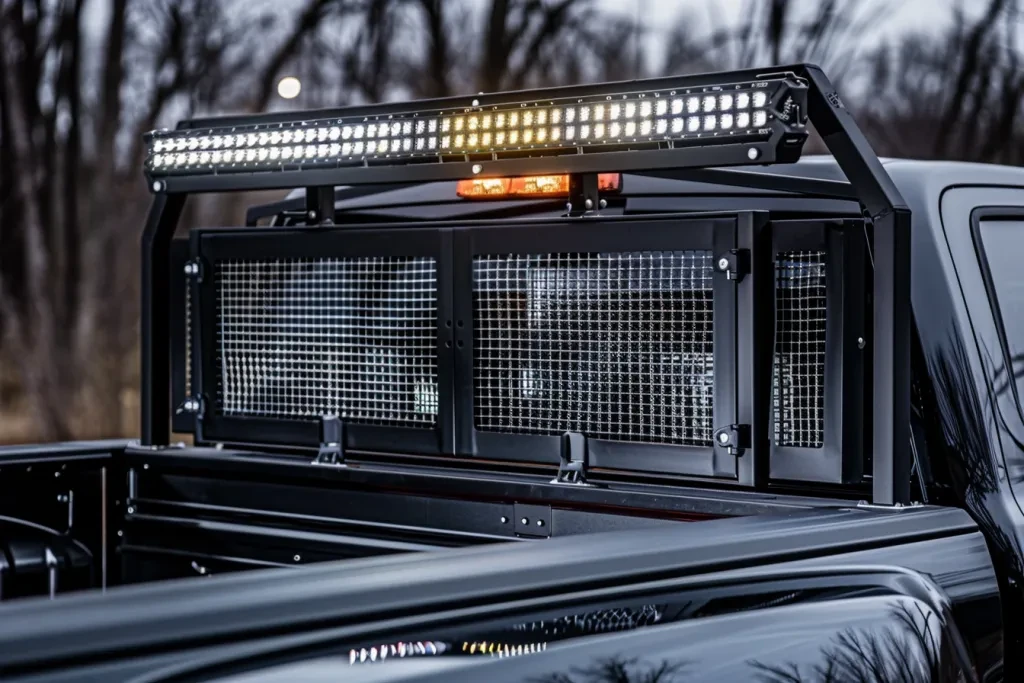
x=761 y=121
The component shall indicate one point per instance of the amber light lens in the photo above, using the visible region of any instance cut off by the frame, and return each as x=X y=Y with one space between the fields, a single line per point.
x=528 y=186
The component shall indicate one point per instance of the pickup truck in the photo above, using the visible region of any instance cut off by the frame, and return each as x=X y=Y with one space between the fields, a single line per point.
x=600 y=383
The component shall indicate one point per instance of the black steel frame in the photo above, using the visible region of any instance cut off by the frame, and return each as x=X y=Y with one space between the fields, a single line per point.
x=840 y=459
x=210 y=246
x=182 y=421
x=719 y=235
x=884 y=208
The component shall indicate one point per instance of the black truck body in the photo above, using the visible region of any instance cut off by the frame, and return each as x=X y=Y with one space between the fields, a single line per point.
x=883 y=544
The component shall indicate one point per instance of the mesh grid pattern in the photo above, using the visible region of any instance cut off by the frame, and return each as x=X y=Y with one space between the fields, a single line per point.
x=355 y=337
x=799 y=371
x=616 y=346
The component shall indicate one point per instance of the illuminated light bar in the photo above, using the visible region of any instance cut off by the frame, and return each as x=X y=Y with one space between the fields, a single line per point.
x=640 y=115
x=528 y=186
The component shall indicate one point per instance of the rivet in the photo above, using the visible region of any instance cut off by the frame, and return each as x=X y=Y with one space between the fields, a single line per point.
x=477 y=168
x=120 y=533
x=158 y=186
x=476 y=103
x=504 y=519
x=297 y=558
x=589 y=203
x=723 y=438
x=540 y=522
x=146 y=466
x=723 y=263
x=753 y=153
x=603 y=204
x=525 y=521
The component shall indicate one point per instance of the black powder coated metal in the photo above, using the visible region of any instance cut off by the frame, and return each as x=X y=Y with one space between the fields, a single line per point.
x=874 y=189
x=180 y=327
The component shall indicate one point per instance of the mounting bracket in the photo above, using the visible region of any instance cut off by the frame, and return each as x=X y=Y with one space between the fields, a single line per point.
x=332 y=442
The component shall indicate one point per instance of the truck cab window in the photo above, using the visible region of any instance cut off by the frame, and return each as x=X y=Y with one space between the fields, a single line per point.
x=1002 y=242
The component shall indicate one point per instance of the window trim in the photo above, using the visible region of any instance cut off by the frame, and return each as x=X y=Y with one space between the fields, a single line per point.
x=978 y=216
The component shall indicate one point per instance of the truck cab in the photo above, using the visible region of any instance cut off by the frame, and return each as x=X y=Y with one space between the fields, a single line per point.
x=551 y=414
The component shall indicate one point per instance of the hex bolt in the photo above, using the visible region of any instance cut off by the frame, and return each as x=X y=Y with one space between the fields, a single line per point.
x=723 y=263
x=723 y=438
x=311 y=215
x=753 y=154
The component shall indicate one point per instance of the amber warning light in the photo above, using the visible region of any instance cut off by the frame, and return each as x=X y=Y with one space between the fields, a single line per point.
x=529 y=186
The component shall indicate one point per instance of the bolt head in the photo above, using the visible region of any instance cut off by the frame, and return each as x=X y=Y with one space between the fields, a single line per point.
x=131 y=511
x=476 y=103
x=589 y=203
x=602 y=204
x=723 y=264
x=504 y=519
x=477 y=168
x=120 y=533
x=158 y=186
x=297 y=558
x=540 y=522
x=723 y=438
x=753 y=154
x=861 y=343
x=525 y=520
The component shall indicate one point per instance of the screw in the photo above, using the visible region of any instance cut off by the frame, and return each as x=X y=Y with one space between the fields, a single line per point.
x=131 y=511
x=158 y=186
x=477 y=168
x=589 y=203
x=504 y=519
x=297 y=558
x=311 y=215
x=603 y=204
x=723 y=438
x=540 y=522
x=120 y=533
x=723 y=263
x=146 y=466
x=56 y=474
x=525 y=521
x=861 y=343
x=753 y=153
x=476 y=103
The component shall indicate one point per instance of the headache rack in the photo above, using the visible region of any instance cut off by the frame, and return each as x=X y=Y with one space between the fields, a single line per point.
x=723 y=346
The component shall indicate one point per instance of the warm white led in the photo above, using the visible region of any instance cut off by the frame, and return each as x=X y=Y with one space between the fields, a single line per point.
x=460 y=141
x=542 y=117
x=599 y=130
x=499 y=120
x=584 y=132
x=760 y=118
x=615 y=130
x=662 y=126
x=432 y=142
x=677 y=106
x=645 y=108
x=614 y=111
x=499 y=138
x=630 y=109
x=570 y=114
x=726 y=121
x=513 y=137
x=677 y=125
x=527 y=118
x=742 y=100
x=513 y=119
x=743 y=120
x=371 y=146
x=598 y=112
x=556 y=133
x=662 y=107
x=358 y=147
x=556 y=115
x=760 y=98
x=710 y=122
x=584 y=113
x=693 y=124
x=485 y=139
x=474 y=140
x=459 y=123
x=570 y=132
x=631 y=129
x=528 y=136
x=645 y=127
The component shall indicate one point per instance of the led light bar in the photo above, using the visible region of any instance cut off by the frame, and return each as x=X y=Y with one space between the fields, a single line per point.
x=587 y=119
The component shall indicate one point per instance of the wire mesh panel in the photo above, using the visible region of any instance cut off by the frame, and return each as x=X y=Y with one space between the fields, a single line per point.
x=799 y=370
x=616 y=346
x=355 y=337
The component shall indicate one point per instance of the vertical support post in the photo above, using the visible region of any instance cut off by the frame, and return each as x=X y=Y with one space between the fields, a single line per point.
x=320 y=205
x=155 y=323
x=583 y=193
x=884 y=205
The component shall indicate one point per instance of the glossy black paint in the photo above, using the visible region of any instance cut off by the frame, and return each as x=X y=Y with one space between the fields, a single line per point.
x=332 y=603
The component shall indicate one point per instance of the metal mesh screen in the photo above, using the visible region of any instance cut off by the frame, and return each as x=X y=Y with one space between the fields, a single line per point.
x=616 y=346
x=799 y=372
x=355 y=337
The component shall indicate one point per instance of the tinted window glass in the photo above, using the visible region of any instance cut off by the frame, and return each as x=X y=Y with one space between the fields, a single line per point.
x=1003 y=242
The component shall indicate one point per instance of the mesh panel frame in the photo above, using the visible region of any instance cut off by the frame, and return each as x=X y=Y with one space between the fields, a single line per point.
x=356 y=337
x=798 y=375
x=617 y=346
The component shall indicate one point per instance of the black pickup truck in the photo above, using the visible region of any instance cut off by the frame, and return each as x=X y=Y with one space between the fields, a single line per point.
x=599 y=383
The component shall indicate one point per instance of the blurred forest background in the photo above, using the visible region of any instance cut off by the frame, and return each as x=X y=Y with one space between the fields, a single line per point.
x=81 y=80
